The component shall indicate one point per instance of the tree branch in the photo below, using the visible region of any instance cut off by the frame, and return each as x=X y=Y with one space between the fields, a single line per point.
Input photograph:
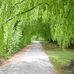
x=9 y=19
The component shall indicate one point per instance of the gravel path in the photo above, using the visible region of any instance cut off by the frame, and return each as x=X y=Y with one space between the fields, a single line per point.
x=34 y=61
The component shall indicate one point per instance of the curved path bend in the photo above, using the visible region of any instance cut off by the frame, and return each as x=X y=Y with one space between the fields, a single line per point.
x=33 y=61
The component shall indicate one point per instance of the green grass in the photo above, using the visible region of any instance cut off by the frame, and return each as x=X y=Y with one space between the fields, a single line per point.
x=58 y=57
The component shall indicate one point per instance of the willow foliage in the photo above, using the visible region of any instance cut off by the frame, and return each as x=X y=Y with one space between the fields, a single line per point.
x=20 y=20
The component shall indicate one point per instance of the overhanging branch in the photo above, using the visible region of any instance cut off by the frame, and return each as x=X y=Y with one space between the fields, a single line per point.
x=9 y=19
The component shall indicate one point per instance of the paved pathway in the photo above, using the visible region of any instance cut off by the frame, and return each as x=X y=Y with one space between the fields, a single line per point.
x=34 y=61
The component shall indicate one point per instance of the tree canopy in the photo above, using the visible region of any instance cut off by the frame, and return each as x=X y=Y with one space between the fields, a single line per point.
x=20 y=20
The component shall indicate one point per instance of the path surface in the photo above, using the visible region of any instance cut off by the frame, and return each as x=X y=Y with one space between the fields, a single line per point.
x=34 y=61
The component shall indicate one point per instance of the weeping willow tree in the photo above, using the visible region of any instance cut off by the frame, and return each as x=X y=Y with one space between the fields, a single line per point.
x=20 y=20
x=62 y=21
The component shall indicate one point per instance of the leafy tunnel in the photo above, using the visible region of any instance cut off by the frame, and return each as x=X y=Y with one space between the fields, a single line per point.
x=22 y=20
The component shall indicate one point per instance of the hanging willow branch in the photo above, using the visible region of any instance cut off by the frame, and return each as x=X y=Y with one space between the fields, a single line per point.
x=16 y=24
x=18 y=3
x=23 y=12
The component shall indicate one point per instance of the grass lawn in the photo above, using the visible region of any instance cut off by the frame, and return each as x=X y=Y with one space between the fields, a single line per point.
x=59 y=58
